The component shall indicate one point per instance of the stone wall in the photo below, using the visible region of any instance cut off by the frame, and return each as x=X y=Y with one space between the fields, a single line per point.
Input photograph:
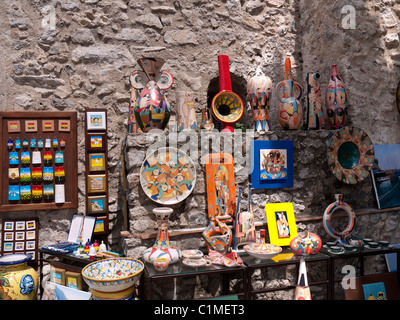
x=73 y=54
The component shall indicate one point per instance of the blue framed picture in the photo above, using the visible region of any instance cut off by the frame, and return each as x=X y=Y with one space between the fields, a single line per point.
x=271 y=164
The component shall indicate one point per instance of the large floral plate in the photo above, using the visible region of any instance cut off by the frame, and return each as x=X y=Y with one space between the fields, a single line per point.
x=168 y=176
x=350 y=155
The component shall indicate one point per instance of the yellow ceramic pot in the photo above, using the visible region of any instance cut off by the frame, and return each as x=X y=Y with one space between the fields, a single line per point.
x=18 y=281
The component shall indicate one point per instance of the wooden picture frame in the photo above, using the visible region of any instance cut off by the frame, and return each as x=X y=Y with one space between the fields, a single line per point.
x=96 y=141
x=97 y=161
x=31 y=125
x=70 y=158
x=14 y=126
x=101 y=225
x=96 y=120
x=48 y=125
x=96 y=183
x=97 y=204
x=281 y=223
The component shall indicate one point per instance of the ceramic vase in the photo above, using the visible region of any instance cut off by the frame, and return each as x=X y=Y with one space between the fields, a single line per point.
x=162 y=247
x=336 y=100
x=185 y=111
x=161 y=264
x=315 y=115
x=217 y=235
x=289 y=93
x=206 y=120
x=18 y=281
x=309 y=243
x=339 y=236
x=259 y=89
x=151 y=108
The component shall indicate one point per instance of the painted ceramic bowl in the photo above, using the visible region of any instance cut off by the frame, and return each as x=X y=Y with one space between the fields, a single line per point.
x=262 y=250
x=112 y=275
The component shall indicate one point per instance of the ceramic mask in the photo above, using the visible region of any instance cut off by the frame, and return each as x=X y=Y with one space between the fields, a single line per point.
x=259 y=89
x=149 y=105
x=315 y=117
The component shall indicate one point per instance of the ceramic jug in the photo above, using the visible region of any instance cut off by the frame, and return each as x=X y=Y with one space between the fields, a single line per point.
x=309 y=243
x=315 y=115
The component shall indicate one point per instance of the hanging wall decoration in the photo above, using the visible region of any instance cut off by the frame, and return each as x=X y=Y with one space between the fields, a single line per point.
x=168 y=176
x=227 y=107
x=350 y=155
x=149 y=107
x=272 y=164
x=315 y=115
x=221 y=200
x=289 y=93
x=259 y=89
x=281 y=223
x=336 y=100
x=186 y=111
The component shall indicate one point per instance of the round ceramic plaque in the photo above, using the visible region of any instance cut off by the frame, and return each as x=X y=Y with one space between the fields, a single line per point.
x=350 y=155
x=168 y=176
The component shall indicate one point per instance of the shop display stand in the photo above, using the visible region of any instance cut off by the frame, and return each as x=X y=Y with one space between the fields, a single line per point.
x=54 y=126
x=96 y=156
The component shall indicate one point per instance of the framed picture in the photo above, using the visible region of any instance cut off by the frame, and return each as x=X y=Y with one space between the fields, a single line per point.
x=13 y=126
x=97 y=162
x=31 y=126
x=101 y=225
x=96 y=141
x=96 y=120
x=271 y=164
x=47 y=125
x=64 y=125
x=281 y=223
x=97 y=204
x=97 y=183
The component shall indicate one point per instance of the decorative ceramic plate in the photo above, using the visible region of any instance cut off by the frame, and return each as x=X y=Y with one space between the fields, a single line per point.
x=262 y=250
x=196 y=262
x=192 y=254
x=350 y=155
x=168 y=176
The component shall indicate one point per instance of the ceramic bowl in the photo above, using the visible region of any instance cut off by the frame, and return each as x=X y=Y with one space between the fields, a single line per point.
x=262 y=251
x=112 y=275
x=192 y=254
x=384 y=244
x=336 y=249
x=199 y=262
x=373 y=244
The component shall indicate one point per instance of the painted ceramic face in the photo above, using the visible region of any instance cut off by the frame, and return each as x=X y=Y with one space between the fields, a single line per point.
x=336 y=100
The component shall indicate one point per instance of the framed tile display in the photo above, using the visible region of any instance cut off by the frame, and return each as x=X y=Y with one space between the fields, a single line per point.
x=36 y=157
x=272 y=164
x=96 y=169
x=20 y=236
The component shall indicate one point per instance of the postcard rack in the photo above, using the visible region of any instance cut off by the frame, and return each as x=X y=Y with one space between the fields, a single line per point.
x=97 y=168
x=38 y=160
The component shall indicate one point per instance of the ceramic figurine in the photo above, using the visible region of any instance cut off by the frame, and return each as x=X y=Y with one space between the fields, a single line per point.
x=206 y=120
x=186 y=111
x=150 y=106
x=259 y=89
x=245 y=231
x=227 y=106
x=339 y=204
x=315 y=116
x=162 y=247
x=18 y=281
x=302 y=291
x=289 y=93
x=336 y=100
x=221 y=201
x=310 y=243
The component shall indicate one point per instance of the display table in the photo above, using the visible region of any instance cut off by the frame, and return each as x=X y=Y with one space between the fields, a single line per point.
x=359 y=253
x=286 y=257
x=179 y=270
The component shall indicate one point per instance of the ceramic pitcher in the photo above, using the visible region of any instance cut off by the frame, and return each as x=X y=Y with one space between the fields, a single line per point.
x=336 y=100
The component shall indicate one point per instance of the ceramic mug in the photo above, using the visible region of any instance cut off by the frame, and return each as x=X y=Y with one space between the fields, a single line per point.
x=161 y=264
x=356 y=242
